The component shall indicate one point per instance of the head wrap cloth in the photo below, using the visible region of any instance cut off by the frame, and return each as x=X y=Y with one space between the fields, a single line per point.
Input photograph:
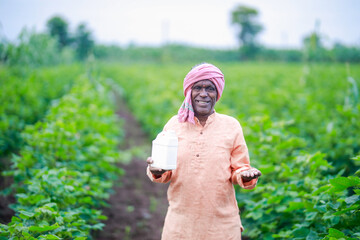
x=204 y=71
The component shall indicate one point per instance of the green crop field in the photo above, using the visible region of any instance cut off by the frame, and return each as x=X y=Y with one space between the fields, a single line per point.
x=64 y=134
x=301 y=123
x=319 y=103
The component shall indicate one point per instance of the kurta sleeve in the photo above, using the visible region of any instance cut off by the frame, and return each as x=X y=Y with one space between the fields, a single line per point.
x=240 y=161
x=165 y=177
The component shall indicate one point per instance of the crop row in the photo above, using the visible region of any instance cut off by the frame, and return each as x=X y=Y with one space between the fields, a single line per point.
x=321 y=101
x=66 y=167
x=299 y=123
x=297 y=197
x=25 y=97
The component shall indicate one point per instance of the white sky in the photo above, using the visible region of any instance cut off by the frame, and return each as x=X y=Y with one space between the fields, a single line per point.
x=198 y=22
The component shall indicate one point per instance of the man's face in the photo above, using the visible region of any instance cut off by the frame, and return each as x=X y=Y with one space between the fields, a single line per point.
x=203 y=98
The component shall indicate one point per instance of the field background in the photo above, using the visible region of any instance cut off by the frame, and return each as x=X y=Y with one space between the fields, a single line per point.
x=301 y=124
x=77 y=119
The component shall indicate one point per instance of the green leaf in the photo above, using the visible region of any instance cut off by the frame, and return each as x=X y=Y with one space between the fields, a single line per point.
x=43 y=228
x=282 y=234
x=312 y=235
x=295 y=206
x=341 y=183
x=50 y=237
x=334 y=206
x=51 y=205
x=3 y=226
x=310 y=216
x=351 y=200
x=21 y=195
x=301 y=232
x=355 y=181
x=321 y=208
x=349 y=209
x=280 y=208
x=255 y=215
x=336 y=233
x=25 y=234
x=26 y=214
x=15 y=220
x=268 y=169
x=321 y=190
x=98 y=226
x=102 y=217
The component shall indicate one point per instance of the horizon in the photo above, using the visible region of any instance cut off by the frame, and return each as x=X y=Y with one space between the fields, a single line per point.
x=187 y=23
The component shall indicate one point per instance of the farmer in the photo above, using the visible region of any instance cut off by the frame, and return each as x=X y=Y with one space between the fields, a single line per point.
x=212 y=155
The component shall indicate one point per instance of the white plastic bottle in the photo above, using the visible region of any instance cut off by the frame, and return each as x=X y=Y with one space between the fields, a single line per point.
x=164 y=150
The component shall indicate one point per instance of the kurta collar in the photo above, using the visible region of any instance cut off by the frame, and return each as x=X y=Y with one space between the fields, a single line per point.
x=208 y=121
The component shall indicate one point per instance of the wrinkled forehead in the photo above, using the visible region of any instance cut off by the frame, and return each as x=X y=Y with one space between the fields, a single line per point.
x=204 y=82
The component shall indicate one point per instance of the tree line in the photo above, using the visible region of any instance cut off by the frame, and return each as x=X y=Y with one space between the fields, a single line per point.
x=59 y=45
x=54 y=46
x=248 y=28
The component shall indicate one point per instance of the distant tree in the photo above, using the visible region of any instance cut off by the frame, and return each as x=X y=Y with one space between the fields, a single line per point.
x=3 y=51
x=33 y=50
x=342 y=53
x=58 y=27
x=314 y=40
x=314 y=49
x=84 y=42
x=245 y=20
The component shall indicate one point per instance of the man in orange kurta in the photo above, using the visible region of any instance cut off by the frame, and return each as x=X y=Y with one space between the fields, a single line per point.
x=202 y=203
x=212 y=156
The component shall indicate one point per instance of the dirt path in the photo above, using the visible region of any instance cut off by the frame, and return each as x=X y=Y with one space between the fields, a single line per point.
x=138 y=206
x=5 y=212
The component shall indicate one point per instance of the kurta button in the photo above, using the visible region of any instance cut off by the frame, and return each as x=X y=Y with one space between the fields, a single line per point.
x=197 y=155
x=201 y=132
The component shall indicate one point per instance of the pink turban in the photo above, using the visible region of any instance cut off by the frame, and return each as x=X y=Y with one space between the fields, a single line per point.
x=204 y=71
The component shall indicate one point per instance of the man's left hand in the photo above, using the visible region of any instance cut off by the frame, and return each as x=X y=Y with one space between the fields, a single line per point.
x=250 y=174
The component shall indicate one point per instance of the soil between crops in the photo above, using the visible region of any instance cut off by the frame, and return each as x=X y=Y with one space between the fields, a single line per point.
x=6 y=212
x=138 y=206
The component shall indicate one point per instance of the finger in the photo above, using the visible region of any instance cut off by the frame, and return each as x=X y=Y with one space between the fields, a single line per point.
x=256 y=176
x=158 y=172
x=152 y=169
x=149 y=160
x=256 y=172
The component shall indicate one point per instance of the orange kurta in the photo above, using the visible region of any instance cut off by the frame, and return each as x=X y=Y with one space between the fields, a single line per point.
x=202 y=203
